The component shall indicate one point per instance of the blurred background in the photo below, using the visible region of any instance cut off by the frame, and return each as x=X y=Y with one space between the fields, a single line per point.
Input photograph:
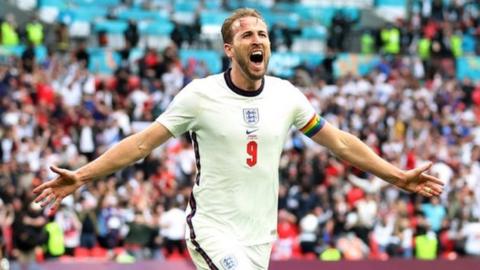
x=77 y=76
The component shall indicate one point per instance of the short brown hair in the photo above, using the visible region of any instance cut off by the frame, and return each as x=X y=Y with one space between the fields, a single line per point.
x=227 y=33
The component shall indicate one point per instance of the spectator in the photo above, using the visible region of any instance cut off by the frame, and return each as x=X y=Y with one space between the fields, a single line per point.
x=352 y=247
x=427 y=112
x=435 y=213
x=469 y=232
x=28 y=233
x=28 y=58
x=87 y=138
x=331 y=253
x=283 y=247
x=172 y=228
x=62 y=38
x=405 y=235
x=178 y=35
x=131 y=35
x=9 y=31
x=308 y=231
x=425 y=244
x=88 y=220
x=69 y=223
x=6 y=220
x=55 y=246
x=110 y=223
x=367 y=43
x=139 y=235
x=34 y=32
x=391 y=40
x=339 y=30
x=185 y=163
x=81 y=55
x=383 y=233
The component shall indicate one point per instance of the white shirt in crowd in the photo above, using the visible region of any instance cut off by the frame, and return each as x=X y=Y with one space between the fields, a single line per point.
x=172 y=224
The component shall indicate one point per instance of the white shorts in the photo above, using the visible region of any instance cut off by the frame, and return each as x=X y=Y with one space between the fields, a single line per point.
x=225 y=254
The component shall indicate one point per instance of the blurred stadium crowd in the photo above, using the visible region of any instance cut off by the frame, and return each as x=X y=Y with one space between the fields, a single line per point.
x=410 y=108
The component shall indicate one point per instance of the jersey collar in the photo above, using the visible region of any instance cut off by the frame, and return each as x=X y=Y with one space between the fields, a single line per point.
x=242 y=92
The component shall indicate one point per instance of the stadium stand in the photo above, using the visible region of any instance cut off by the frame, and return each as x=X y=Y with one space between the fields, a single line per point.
x=409 y=87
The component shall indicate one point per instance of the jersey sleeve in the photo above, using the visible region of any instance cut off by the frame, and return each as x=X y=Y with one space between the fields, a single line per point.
x=306 y=119
x=180 y=115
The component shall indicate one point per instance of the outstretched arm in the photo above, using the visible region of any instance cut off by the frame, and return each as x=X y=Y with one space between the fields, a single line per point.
x=126 y=152
x=350 y=148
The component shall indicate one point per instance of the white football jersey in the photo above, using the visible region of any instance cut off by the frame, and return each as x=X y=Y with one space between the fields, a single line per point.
x=238 y=138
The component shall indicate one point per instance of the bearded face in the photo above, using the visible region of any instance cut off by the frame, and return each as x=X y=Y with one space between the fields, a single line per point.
x=250 y=49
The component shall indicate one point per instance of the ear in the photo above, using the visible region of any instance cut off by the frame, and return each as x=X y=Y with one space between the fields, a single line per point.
x=228 y=49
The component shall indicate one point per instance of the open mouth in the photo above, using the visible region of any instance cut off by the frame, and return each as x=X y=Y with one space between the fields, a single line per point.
x=256 y=57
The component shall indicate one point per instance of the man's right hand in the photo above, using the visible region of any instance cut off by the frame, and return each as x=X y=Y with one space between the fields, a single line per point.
x=53 y=192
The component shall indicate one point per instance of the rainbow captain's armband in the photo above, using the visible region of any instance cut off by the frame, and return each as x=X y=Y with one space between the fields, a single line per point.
x=313 y=126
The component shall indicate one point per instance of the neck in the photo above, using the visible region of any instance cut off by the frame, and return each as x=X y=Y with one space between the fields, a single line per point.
x=241 y=80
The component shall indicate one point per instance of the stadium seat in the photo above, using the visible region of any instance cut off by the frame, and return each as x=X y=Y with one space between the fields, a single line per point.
x=119 y=250
x=283 y=63
x=351 y=12
x=99 y=252
x=356 y=64
x=156 y=28
x=211 y=24
x=184 y=17
x=175 y=256
x=308 y=46
x=284 y=7
x=213 y=4
x=48 y=10
x=40 y=51
x=27 y=5
x=79 y=19
x=394 y=3
x=60 y=4
x=468 y=67
x=103 y=61
x=258 y=5
x=213 y=17
x=155 y=34
x=186 y=6
x=135 y=54
x=309 y=256
x=468 y=44
x=111 y=26
x=39 y=255
x=87 y=14
x=296 y=249
x=142 y=15
x=12 y=50
x=314 y=32
x=79 y=29
x=90 y=3
x=324 y=15
x=312 y=40
x=48 y=14
x=114 y=30
x=211 y=58
x=390 y=10
x=289 y=20
x=81 y=252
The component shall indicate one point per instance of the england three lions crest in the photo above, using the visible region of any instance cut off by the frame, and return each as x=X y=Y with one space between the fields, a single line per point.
x=250 y=115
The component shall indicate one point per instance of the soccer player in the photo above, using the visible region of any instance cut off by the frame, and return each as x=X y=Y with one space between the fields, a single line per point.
x=238 y=122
